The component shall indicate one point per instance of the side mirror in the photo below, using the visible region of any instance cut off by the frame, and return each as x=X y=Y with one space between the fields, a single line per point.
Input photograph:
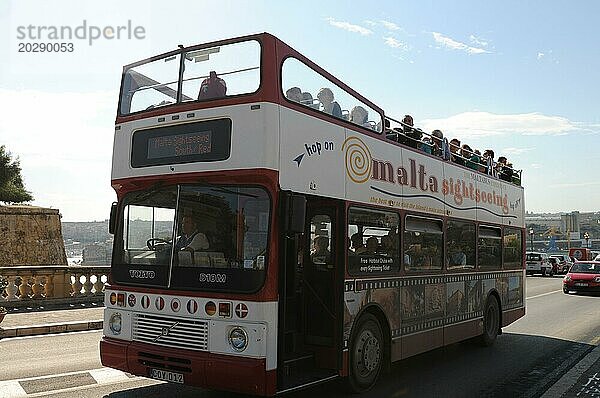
x=294 y=213
x=112 y=222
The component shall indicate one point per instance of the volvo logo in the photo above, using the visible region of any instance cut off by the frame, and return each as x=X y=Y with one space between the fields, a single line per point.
x=141 y=274
x=165 y=331
x=213 y=278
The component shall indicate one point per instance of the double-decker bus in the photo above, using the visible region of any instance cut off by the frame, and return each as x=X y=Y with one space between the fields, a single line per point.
x=273 y=230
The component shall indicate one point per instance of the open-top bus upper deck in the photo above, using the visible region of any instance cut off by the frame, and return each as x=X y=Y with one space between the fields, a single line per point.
x=167 y=128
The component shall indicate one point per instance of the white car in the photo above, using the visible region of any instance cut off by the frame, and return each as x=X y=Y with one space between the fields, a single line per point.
x=538 y=263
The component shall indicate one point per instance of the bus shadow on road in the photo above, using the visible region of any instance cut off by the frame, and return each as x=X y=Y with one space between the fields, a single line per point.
x=516 y=365
x=164 y=390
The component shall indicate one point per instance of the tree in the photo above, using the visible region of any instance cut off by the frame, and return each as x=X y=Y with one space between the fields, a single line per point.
x=11 y=183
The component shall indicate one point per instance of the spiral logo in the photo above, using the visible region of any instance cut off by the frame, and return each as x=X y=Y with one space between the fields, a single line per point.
x=358 y=159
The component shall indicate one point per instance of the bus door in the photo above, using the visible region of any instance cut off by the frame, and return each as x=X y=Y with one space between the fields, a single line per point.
x=322 y=282
x=310 y=297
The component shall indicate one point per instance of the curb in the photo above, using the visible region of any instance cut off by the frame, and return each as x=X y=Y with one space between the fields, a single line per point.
x=570 y=378
x=64 y=327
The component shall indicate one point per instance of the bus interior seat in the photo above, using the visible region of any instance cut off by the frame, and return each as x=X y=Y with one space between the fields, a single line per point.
x=315 y=104
x=218 y=260
x=185 y=258
x=201 y=259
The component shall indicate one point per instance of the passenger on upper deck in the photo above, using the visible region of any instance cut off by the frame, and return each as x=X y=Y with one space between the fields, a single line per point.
x=504 y=172
x=308 y=100
x=359 y=115
x=212 y=87
x=325 y=95
x=407 y=125
x=414 y=135
x=454 y=149
x=488 y=156
x=471 y=160
x=482 y=162
x=294 y=94
x=426 y=145
x=516 y=176
x=441 y=147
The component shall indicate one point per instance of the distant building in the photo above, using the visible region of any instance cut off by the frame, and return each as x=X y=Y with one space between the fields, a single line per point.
x=31 y=235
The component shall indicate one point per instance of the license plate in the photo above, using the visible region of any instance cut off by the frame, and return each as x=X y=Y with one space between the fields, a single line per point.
x=165 y=375
x=581 y=284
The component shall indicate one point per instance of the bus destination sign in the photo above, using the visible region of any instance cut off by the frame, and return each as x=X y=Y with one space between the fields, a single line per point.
x=173 y=146
x=205 y=141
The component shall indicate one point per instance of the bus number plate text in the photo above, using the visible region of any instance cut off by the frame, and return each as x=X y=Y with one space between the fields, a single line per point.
x=171 y=377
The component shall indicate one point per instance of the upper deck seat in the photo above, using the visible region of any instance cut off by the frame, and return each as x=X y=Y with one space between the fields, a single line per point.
x=212 y=87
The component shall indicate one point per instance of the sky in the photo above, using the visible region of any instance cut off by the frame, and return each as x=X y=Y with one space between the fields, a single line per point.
x=518 y=77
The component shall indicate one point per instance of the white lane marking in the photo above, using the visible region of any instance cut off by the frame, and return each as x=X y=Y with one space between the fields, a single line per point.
x=543 y=294
x=108 y=375
x=11 y=389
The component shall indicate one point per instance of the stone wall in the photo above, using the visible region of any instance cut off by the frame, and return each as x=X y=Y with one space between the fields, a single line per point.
x=30 y=236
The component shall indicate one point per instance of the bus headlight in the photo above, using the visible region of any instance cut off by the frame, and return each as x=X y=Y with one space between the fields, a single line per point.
x=238 y=339
x=115 y=323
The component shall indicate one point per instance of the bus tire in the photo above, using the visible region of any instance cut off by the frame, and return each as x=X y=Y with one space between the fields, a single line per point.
x=491 y=322
x=366 y=354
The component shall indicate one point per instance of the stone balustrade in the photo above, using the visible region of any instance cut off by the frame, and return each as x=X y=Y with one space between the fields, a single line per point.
x=42 y=286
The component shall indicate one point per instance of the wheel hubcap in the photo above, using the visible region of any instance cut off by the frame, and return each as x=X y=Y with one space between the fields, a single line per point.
x=368 y=352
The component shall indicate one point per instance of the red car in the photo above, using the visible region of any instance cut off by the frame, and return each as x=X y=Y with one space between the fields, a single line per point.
x=584 y=276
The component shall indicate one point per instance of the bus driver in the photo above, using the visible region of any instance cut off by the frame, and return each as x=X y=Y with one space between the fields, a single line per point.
x=191 y=239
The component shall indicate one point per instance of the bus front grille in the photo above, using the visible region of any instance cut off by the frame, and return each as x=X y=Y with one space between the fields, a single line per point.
x=187 y=334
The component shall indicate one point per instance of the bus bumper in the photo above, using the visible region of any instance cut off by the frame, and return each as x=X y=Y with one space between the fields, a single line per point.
x=199 y=369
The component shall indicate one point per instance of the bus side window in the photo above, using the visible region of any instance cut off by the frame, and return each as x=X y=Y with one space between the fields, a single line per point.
x=373 y=241
x=460 y=244
x=489 y=248
x=423 y=244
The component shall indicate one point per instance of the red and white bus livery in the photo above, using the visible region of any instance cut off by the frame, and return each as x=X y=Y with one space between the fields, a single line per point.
x=273 y=229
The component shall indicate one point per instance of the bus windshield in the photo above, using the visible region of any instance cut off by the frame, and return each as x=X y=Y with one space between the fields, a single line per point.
x=206 y=238
x=198 y=74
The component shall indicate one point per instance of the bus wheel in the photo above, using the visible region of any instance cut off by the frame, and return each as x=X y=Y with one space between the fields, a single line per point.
x=491 y=322
x=366 y=354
